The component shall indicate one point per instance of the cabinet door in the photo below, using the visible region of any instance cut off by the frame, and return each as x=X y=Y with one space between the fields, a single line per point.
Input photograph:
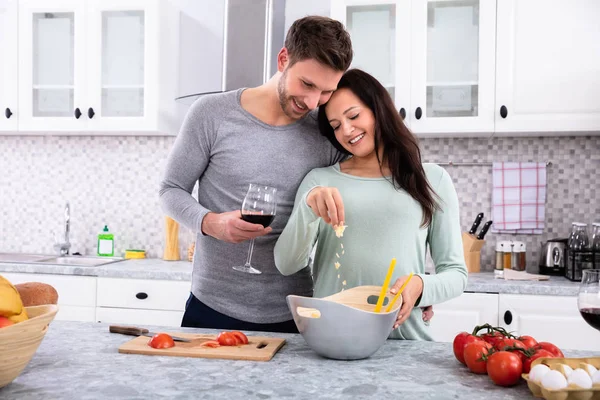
x=76 y=294
x=8 y=65
x=122 y=64
x=552 y=319
x=463 y=314
x=452 y=72
x=548 y=64
x=380 y=32
x=51 y=65
x=143 y=293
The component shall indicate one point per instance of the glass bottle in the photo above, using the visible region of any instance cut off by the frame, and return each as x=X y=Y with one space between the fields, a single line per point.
x=499 y=267
x=595 y=246
x=579 y=256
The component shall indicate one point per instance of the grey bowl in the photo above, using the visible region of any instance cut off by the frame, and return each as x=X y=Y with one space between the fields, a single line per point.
x=341 y=331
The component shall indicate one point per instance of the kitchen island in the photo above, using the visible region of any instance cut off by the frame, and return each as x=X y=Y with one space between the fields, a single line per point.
x=79 y=360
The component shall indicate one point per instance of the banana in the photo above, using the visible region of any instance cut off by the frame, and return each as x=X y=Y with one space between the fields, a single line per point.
x=11 y=305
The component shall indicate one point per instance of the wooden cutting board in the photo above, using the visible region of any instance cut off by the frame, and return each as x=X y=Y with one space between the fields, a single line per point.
x=259 y=348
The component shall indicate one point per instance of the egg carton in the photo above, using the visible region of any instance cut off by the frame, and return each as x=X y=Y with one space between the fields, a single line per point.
x=568 y=393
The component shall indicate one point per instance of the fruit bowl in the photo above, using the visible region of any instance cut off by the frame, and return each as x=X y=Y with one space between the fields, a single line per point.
x=344 y=326
x=19 y=342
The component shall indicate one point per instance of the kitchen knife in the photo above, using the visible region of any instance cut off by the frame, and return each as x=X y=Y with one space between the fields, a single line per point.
x=484 y=230
x=134 y=331
x=476 y=223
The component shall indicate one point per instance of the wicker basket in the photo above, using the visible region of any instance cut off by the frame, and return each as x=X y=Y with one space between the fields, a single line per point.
x=19 y=342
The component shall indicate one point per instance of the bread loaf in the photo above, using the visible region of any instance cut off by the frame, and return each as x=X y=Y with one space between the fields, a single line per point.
x=37 y=293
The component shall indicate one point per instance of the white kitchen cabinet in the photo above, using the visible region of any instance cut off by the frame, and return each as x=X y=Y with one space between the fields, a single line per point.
x=141 y=301
x=101 y=66
x=436 y=58
x=76 y=294
x=463 y=314
x=554 y=319
x=8 y=66
x=548 y=67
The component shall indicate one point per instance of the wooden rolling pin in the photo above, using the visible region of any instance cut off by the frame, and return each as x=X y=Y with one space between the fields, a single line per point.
x=172 y=240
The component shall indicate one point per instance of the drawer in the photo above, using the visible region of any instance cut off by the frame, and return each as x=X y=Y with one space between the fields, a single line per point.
x=72 y=290
x=146 y=294
x=143 y=318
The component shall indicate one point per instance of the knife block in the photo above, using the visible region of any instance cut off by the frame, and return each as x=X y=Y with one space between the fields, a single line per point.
x=472 y=251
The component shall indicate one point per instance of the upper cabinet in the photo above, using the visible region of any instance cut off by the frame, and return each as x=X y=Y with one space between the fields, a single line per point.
x=97 y=66
x=476 y=67
x=548 y=66
x=8 y=66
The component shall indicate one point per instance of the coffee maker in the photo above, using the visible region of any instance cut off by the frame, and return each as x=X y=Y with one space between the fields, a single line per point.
x=553 y=257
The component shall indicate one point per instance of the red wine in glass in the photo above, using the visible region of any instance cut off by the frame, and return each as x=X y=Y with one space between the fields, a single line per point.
x=259 y=207
x=589 y=297
x=591 y=316
x=261 y=219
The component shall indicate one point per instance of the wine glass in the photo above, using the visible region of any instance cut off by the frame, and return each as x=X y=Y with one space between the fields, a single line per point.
x=589 y=297
x=259 y=207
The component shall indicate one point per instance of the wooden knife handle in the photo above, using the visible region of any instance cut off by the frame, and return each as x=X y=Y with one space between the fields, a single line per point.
x=127 y=330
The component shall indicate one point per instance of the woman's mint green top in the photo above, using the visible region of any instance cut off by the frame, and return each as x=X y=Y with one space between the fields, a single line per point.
x=382 y=223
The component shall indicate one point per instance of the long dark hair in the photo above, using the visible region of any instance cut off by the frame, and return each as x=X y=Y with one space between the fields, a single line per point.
x=400 y=147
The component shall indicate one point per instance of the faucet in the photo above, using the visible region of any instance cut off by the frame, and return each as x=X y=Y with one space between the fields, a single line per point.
x=64 y=246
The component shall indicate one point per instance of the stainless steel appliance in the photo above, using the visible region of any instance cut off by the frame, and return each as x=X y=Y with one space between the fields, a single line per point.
x=553 y=257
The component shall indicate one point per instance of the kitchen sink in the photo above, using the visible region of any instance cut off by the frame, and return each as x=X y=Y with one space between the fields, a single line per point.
x=76 y=261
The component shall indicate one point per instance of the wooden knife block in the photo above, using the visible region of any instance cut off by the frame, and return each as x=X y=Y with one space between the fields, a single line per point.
x=172 y=240
x=472 y=251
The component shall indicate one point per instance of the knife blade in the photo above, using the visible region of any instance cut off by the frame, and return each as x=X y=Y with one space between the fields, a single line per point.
x=135 y=331
x=484 y=230
x=476 y=223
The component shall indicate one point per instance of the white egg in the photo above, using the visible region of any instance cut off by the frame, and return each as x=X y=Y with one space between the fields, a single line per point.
x=581 y=379
x=589 y=368
x=554 y=380
x=567 y=370
x=596 y=378
x=537 y=372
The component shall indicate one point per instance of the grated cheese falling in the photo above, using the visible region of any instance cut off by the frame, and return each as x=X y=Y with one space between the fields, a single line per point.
x=337 y=265
x=339 y=230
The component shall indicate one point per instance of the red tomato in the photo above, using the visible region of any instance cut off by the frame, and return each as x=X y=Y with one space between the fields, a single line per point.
x=501 y=344
x=211 y=343
x=242 y=339
x=538 y=354
x=161 y=341
x=504 y=368
x=493 y=337
x=528 y=341
x=460 y=342
x=227 y=339
x=4 y=321
x=474 y=353
x=551 y=348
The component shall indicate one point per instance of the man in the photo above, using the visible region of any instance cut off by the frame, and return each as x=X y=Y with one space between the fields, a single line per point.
x=266 y=135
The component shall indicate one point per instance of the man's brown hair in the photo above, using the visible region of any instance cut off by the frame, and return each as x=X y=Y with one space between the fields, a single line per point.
x=322 y=39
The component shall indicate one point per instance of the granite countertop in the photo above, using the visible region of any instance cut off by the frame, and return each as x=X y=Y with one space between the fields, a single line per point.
x=483 y=282
x=79 y=360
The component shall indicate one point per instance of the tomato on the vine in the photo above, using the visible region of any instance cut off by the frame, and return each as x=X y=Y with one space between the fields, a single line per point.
x=475 y=356
x=460 y=342
x=537 y=354
x=551 y=348
x=528 y=341
x=504 y=368
x=493 y=337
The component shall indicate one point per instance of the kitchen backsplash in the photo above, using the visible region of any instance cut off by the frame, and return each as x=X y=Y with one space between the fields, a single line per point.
x=113 y=180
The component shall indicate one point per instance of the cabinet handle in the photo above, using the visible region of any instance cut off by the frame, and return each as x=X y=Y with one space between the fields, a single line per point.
x=91 y=113
x=141 y=295
x=7 y=112
x=402 y=113
x=508 y=317
x=77 y=113
x=503 y=111
x=418 y=113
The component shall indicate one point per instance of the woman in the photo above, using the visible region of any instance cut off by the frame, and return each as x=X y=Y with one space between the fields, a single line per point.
x=391 y=204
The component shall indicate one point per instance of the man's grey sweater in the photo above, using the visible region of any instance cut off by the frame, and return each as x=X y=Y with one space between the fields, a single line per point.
x=224 y=148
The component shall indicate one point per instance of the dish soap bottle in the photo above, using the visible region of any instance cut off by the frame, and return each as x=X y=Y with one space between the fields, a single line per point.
x=106 y=243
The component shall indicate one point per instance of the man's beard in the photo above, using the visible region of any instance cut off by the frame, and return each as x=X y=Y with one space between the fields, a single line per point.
x=284 y=99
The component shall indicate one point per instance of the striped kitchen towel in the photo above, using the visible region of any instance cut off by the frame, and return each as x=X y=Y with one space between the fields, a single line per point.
x=519 y=197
